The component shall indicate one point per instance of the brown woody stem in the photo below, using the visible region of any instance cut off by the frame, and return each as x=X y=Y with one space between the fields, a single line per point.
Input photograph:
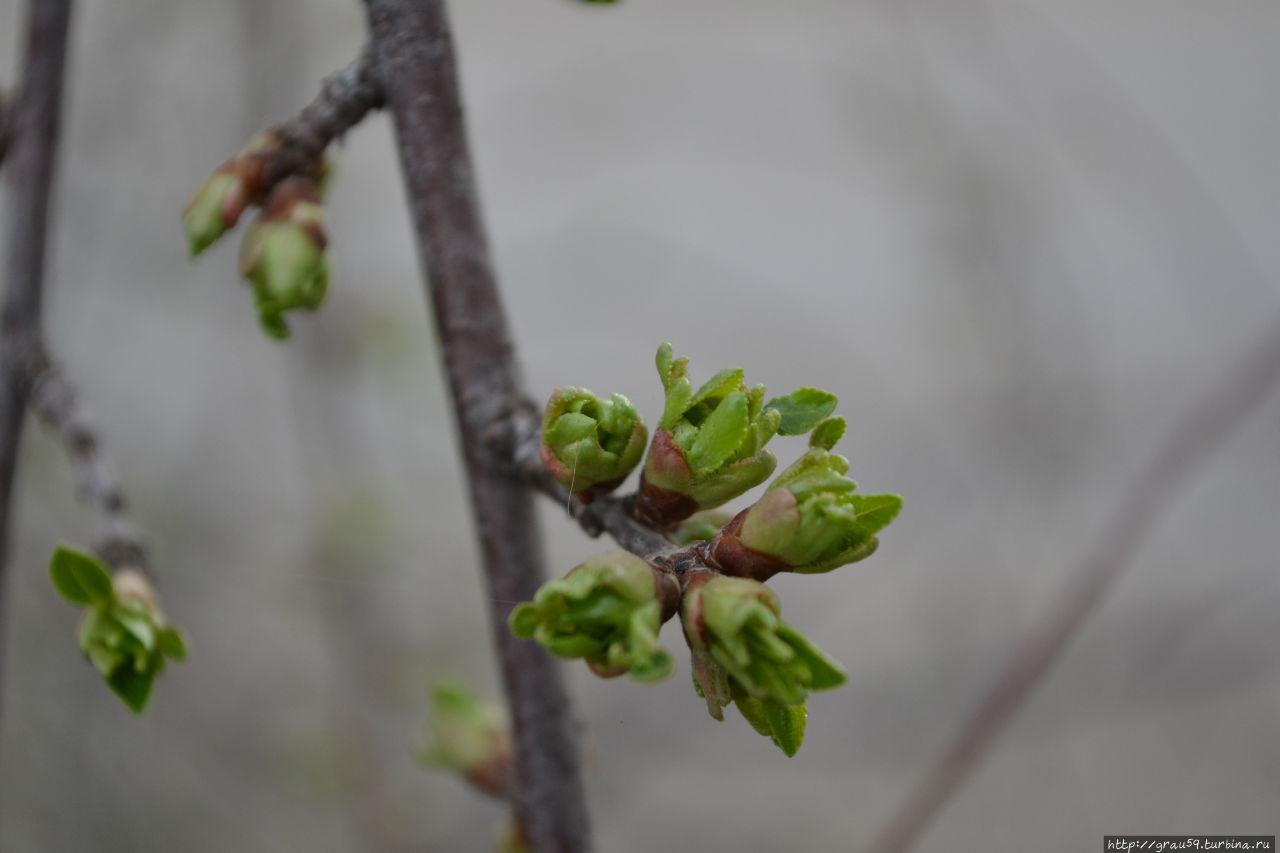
x=414 y=65
x=33 y=128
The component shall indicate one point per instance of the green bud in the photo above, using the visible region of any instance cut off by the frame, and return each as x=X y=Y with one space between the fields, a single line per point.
x=811 y=520
x=607 y=611
x=709 y=445
x=734 y=624
x=213 y=210
x=123 y=632
x=218 y=203
x=283 y=255
x=472 y=738
x=590 y=445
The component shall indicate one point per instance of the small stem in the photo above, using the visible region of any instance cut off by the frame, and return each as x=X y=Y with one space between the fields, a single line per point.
x=413 y=57
x=345 y=98
x=1216 y=414
x=54 y=401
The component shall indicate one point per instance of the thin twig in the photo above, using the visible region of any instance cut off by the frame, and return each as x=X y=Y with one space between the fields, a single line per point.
x=413 y=61
x=32 y=152
x=1211 y=420
x=54 y=401
x=345 y=98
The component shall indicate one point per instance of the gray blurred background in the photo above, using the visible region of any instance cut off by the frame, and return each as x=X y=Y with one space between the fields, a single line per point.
x=1017 y=238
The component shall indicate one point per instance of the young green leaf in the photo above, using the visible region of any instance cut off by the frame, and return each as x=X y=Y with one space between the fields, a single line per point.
x=720 y=434
x=79 y=577
x=171 y=643
x=827 y=433
x=802 y=409
x=874 y=512
x=133 y=687
x=786 y=725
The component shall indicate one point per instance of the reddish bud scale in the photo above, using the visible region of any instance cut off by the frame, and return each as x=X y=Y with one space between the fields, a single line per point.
x=493 y=777
x=667 y=588
x=695 y=627
x=284 y=200
x=260 y=169
x=661 y=508
x=735 y=558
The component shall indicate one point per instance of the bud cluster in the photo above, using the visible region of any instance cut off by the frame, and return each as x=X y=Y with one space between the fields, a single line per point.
x=708 y=448
x=283 y=254
x=472 y=738
x=123 y=633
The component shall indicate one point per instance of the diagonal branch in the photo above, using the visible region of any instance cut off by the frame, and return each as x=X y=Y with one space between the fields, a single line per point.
x=53 y=400
x=1223 y=407
x=413 y=60
x=345 y=98
x=296 y=146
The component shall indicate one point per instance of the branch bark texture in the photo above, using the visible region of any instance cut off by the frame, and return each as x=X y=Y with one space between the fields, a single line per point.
x=32 y=129
x=414 y=64
x=34 y=126
x=1155 y=490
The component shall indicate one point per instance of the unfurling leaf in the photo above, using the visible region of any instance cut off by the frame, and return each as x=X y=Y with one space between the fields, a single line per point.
x=123 y=634
x=79 y=577
x=802 y=409
x=607 y=611
x=745 y=654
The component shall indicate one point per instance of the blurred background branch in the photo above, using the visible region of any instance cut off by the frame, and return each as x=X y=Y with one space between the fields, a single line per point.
x=30 y=171
x=1132 y=522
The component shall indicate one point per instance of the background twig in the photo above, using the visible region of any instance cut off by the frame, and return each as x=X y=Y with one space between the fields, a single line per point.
x=1221 y=409
x=32 y=153
x=4 y=125
x=414 y=63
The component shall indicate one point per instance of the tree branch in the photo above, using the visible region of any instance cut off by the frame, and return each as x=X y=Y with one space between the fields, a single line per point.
x=345 y=98
x=4 y=125
x=33 y=127
x=413 y=61
x=52 y=399
x=1211 y=420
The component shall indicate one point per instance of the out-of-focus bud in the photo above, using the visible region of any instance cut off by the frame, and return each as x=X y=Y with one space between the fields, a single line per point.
x=607 y=611
x=472 y=738
x=708 y=447
x=590 y=445
x=213 y=210
x=742 y=651
x=283 y=254
x=512 y=837
x=123 y=632
x=218 y=203
x=809 y=521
